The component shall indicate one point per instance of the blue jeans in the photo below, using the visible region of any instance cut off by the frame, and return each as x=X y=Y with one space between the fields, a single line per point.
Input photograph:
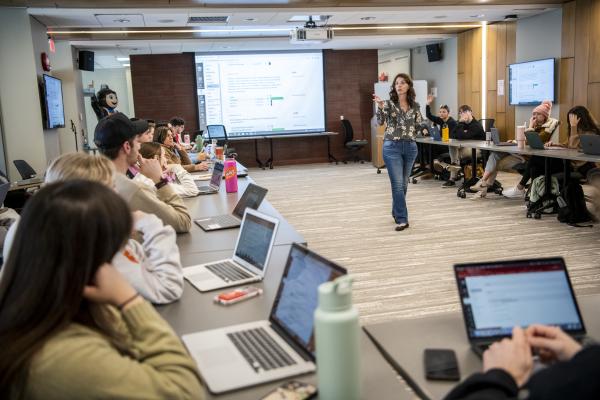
x=399 y=157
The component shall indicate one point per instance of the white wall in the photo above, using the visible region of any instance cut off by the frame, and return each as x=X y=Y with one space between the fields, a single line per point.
x=393 y=62
x=19 y=93
x=442 y=74
x=117 y=80
x=539 y=37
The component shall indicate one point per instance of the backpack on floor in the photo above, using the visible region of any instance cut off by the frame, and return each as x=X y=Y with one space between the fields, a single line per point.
x=572 y=209
x=538 y=202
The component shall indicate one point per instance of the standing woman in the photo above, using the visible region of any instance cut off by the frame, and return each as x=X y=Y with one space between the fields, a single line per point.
x=402 y=116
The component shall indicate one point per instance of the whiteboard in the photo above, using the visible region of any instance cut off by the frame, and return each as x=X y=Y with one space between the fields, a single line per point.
x=382 y=89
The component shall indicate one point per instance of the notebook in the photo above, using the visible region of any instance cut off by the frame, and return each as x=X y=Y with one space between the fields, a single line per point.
x=496 y=296
x=250 y=256
x=283 y=346
x=251 y=198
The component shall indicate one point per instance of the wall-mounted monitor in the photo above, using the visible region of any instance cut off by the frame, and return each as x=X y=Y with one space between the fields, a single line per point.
x=261 y=93
x=531 y=82
x=52 y=102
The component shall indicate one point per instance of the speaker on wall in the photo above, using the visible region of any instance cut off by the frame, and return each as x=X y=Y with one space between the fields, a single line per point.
x=86 y=60
x=434 y=52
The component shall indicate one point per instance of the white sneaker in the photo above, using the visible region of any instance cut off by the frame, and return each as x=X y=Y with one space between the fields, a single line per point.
x=514 y=193
x=453 y=168
x=480 y=194
x=479 y=185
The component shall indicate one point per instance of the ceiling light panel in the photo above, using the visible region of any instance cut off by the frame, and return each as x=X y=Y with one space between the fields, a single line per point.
x=155 y=20
x=120 y=20
x=259 y=18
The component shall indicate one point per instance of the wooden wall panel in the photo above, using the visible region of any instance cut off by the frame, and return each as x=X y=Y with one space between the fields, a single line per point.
x=594 y=99
x=568 y=30
x=164 y=86
x=501 y=64
x=565 y=91
x=580 y=95
x=476 y=60
x=594 y=43
x=490 y=56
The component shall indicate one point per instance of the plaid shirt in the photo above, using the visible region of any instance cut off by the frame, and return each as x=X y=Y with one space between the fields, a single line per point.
x=400 y=125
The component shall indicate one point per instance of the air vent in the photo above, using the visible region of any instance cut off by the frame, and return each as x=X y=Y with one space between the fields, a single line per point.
x=209 y=20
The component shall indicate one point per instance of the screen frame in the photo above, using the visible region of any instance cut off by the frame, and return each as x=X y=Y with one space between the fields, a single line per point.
x=490 y=339
x=45 y=102
x=248 y=52
x=241 y=206
x=533 y=103
x=273 y=319
x=244 y=263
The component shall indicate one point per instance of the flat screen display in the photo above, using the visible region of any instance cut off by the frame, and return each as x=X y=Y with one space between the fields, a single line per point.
x=531 y=82
x=53 y=102
x=261 y=93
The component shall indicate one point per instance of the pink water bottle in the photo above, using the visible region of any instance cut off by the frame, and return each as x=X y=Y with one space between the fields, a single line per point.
x=230 y=171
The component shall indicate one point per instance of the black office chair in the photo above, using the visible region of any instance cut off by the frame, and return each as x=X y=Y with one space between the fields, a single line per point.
x=220 y=133
x=353 y=145
x=487 y=123
x=25 y=169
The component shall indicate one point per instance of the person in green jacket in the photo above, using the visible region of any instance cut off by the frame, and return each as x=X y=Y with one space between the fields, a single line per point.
x=71 y=326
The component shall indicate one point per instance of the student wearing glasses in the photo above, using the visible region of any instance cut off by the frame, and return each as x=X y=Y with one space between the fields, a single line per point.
x=402 y=117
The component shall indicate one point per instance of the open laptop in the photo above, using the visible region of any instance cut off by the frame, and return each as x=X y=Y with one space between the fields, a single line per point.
x=496 y=138
x=250 y=256
x=283 y=346
x=435 y=133
x=215 y=181
x=251 y=198
x=590 y=144
x=496 y=296
x=534 y=141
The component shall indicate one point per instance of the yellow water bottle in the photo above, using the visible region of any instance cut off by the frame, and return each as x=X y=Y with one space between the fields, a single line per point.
x=445 y=133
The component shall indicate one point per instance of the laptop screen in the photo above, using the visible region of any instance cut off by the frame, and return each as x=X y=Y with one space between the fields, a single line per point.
x=252 y=198
x=297 y=296
x=254 y=241
x=497 y=296
x=215 y=179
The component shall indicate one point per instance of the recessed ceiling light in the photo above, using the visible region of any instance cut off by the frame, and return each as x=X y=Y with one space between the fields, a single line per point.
x=367 y=18
x=122 y=58
x=165 y=21
x=477 y=16
x=440 y=16
x=121 y=20
x=250 y=19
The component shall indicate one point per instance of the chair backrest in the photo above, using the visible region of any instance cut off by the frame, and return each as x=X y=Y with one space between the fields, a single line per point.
x=217 y=132
x=348 y=131
x=487 y=123
x=24 y=169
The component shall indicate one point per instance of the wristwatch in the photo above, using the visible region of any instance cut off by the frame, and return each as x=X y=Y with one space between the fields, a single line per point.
x=161 y=183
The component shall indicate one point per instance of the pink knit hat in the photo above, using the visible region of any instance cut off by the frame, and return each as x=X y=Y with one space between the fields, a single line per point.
x=544 y=108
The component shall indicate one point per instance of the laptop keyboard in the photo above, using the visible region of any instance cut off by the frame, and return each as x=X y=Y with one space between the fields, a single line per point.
x=228 y=271
x=223 y=220
x=260 y=350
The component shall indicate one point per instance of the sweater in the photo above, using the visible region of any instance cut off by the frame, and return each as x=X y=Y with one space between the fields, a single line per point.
x=400 y=125
x=152 y=267
x=468 y=131
x=451 y=122
x=179 y=157
x=164 y=203
x=573 y=379
x=545 y=130
x=82 y=363
x=184 y=184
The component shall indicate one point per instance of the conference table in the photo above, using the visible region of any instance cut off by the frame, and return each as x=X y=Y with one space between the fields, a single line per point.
x=197 y=311
x=406 y=339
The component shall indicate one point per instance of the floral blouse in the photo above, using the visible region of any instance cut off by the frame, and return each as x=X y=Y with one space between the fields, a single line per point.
x=400 y=125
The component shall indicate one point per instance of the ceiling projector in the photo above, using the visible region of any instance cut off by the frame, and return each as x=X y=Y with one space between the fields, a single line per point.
x=311 y=33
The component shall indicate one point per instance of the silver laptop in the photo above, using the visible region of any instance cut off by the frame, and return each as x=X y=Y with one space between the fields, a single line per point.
x=590 y=144
x=251 y=198
x=496 y=138
x=215 y=181
x=249 y=354
x=496 y=296
x=250 y=256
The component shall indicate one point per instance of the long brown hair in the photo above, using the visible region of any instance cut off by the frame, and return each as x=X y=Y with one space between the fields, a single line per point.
x=410 y=95
x=66 y=232
x=587 y=122
x=150 y=149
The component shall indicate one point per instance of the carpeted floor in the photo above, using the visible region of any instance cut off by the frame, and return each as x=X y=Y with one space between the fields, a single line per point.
x=344 y=212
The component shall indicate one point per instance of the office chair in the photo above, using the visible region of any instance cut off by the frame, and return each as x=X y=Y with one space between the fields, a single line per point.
x=24 y=169
x=353 y=145
x=487 y=123
x=220 y=133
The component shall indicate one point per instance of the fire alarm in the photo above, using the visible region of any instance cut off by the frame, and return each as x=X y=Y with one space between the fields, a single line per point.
x=46 y=62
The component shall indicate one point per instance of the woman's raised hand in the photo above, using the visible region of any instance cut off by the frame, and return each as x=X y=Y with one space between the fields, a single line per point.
x=378 y=100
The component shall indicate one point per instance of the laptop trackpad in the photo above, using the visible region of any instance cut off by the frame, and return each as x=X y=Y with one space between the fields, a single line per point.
x=200 y=276
x=215 y=356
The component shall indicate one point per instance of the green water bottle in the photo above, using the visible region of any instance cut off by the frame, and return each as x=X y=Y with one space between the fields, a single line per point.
x=337 y=340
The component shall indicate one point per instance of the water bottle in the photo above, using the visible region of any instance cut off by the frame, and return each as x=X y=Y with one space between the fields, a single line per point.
x=337 y=340
x=213 y=148
x=230 y=172
x=445 y=133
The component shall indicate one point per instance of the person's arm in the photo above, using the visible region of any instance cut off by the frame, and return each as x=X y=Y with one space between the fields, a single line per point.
x=382 y=113
x=186 y=187
x=165 y=204
x=451 y=124
x=433 y=118
x=185 y=158
x=495 y=384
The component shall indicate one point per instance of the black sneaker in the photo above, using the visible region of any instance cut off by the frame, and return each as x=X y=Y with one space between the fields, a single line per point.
x=448 y=184
x=402 y=226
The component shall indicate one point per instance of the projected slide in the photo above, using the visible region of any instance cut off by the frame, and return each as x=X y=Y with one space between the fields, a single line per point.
x=531 y=82
x=255 y=94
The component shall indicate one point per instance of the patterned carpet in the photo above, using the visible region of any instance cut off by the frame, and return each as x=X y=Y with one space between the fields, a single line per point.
x=344 y=212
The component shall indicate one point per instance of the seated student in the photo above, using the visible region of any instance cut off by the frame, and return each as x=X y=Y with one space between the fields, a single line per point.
x=442 y=119
x=71 y=326
x=118 y=138
x=174 y=152
x=177 y=126
x=148 y=136
x=150 y=261
x=572 y=371
x=181 y=180
x=467 y=128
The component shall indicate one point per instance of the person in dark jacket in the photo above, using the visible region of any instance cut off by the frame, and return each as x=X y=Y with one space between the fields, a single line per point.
x=442 y=118
x=467 y=128
x=572 y=371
